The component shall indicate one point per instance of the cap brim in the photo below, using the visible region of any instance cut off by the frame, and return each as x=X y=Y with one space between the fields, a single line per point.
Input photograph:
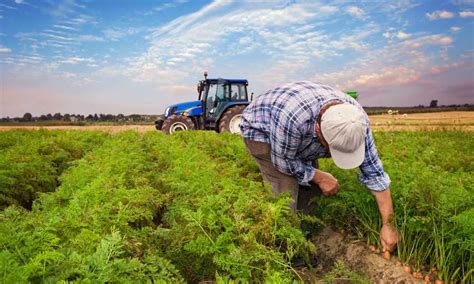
x=348 y=160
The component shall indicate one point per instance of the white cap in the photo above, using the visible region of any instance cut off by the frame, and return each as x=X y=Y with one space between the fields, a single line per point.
x=344 y=127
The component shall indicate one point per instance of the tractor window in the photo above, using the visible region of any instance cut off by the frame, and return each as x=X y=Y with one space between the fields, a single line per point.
x=223 y=92
x=238 y=92
x=211 y=96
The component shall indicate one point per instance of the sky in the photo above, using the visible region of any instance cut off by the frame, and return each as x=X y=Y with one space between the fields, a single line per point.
x=139 y=56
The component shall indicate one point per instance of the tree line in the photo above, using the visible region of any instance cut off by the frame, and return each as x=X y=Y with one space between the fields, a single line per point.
x=28 y=117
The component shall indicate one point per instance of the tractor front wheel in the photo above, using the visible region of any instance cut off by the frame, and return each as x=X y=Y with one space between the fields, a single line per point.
x=177 y=123
x=159 y=124
x=230 y=120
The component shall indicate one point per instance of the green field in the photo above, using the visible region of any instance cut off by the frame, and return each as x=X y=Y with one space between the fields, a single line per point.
x=80 y=206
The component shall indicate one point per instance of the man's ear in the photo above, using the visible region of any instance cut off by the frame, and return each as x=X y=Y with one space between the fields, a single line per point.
x=318 y=129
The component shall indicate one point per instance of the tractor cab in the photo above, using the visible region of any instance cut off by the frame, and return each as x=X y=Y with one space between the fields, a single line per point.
x=218 y=95
x=219 y=107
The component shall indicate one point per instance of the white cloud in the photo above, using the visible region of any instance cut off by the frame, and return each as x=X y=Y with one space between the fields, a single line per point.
x=18 y=1
x=5 y=49
x=356 y=11
x=436 y=15
x=435 y=70
x=76 y=60
x=7 y=7
x=64 y=8
x=168 y=5
x=196 y=39
x=455 y=29
x=387 y=76
x=82 y=19
x=465 y=14
x=116 y=34
x=428 y=41
x=68 y=75
x=328 y=9
x=402 y=35
x=445 y=40
x=64 y=27
x=391 y=34
x=89 y=38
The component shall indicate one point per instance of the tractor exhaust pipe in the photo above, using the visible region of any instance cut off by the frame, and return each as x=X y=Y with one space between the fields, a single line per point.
x=205 y=75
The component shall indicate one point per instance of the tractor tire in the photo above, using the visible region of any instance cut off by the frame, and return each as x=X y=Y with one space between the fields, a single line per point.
x=230 y=120
x=159 y=124
x=177 y=123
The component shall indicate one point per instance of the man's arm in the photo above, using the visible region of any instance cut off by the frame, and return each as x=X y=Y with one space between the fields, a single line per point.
x=373 y=176
x=388 y=233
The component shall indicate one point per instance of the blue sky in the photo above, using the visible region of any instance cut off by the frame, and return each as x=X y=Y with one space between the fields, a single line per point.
x=82 y=56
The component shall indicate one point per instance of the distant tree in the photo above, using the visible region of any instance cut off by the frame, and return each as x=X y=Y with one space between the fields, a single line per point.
x=120 y=117
x=57 y=116
x=67 y=117
x=43 y=117
x=90 y=117
x=27 y=117
x=49 y=116
x=96 y=117
x=135 y=117
x=434 y=103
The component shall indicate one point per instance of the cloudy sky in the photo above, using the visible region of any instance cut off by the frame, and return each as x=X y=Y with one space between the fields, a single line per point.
x=83 y=56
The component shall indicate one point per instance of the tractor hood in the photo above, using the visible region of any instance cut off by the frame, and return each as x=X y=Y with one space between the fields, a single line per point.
x=190 y=108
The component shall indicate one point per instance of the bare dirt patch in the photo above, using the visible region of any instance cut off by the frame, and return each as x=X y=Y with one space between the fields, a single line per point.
x=333 y=247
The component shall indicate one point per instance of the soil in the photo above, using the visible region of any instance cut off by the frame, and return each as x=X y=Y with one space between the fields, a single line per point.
x=332 y=246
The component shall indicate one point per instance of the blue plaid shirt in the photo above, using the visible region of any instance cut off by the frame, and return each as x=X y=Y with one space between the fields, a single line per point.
x=285 y=118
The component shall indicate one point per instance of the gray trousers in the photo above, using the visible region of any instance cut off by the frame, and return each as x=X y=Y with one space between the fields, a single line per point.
x=280 y=182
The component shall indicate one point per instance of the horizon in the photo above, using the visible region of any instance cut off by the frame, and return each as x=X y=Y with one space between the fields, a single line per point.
x=86 y=57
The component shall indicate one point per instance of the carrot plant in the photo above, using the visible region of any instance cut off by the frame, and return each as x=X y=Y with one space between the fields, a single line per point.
x=432 y=189
x=192 y=206
x=32 y=161
x=154 y=208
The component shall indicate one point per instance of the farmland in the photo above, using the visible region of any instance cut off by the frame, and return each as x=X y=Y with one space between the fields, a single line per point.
x=449 y=120
x=141 y=206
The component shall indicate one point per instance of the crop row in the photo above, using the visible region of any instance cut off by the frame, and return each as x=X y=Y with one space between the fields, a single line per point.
x=154 y=208
x=31 y=162
x=433 y=191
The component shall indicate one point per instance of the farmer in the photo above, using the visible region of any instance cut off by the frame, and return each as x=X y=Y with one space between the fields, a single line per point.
x=288 y=128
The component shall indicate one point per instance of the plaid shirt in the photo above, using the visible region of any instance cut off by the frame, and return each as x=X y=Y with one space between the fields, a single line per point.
x=285 y=118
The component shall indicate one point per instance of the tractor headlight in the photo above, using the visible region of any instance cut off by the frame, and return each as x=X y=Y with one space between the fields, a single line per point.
x=167 y=110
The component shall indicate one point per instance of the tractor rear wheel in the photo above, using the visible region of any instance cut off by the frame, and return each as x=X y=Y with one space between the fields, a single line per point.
x=230 y=120
x=177 y=123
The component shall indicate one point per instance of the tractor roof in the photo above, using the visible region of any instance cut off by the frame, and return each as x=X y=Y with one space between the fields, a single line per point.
x=241 y=81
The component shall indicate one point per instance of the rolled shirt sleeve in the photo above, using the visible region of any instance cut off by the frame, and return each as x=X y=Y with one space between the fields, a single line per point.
x=284 y=149
x=372 y=174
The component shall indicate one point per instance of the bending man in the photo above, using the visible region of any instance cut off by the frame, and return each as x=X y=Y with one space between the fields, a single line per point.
x=289 y=127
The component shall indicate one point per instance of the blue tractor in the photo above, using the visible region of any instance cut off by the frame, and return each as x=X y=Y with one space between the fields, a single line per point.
x=219 y=107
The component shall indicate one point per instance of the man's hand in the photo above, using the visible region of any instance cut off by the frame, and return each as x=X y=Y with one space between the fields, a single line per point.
x=326 y=182
x=388 y=233
x=388 y=237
